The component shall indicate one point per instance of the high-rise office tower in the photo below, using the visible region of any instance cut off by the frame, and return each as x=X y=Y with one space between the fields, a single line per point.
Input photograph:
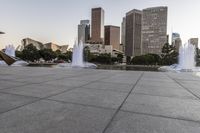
x=123 y=34
x=97 y=25
x=175 y=36
x=112 y=36
x=84 y=31
x=176 y=41
x=133 y=33
x=154 y=29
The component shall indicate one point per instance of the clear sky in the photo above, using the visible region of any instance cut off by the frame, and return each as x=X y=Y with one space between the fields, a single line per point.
x=56 y=20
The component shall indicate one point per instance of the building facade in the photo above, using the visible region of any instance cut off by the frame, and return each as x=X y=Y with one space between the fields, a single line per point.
x=84 y=31
x=154 y=29
x=194 y=41
x=176 y=41
x=27 y=41
x=133 y=33
x=123 y=34
x=54 y=47
x=97 y=25
x=112 y=36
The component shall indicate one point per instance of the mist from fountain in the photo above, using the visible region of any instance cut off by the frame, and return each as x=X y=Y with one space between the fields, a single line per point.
x=187 y=57
x=77 y=58
x=186 y=60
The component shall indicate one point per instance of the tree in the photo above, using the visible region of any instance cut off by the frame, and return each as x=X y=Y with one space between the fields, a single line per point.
x=169 y=55
x=120 y=58
x=86 y=54
x=30 y=53
x=19 y=54
x=148 y=59
x=47 y=54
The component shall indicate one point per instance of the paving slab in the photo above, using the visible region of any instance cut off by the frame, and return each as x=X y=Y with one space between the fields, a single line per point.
x=37 y=90
x=137 y=123
x=9 y=101
x=67 y=82
x=164 y=106
x=166 y=91
x=99 y=98
x=10 y=84
x=54 y=117
x=110 y=86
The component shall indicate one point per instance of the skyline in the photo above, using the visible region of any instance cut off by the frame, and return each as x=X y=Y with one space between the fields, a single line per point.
x=57 y=20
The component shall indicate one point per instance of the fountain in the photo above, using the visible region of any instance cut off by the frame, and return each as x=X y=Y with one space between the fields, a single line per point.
x=77 y=58
x=10 y=53
x=186 y=60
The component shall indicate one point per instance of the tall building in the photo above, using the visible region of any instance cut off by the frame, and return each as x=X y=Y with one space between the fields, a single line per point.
x=123 y=34
x=84 y=31
x=175 y=36
x=176 y=41
x=97 y=25
x=133 y=33
x=154 y=29
x=112 y=36
x=194 y=41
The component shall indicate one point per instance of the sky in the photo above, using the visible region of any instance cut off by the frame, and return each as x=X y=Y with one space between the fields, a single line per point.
x=56 y=20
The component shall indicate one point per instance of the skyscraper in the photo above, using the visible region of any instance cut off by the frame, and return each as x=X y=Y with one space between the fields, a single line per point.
x=112 y=36
x=176 y=41
x=123 y=34
x=133 y=33
x=175 y=36
x=97 y=25
x=84 y=31
x=154 y=29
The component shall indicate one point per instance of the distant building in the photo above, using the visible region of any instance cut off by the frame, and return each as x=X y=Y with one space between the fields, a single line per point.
x=154 y=29
x=27 y=41
x=123 y=34
x=176 y=41
x=55 y=47
x=112 y=36
x=84 y=31
x=97 y=26
x=175 y=36
x=194 y=41
x=133 y=33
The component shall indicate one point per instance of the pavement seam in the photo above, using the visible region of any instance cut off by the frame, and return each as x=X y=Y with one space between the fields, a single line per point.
x=119 y=108
x=85 y=105
x=184 y=87
x=46 y=98
x=161 y=116
x=175 y=97
x=41 y=82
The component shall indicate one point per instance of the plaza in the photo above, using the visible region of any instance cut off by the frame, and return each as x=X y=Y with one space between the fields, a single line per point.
x=65 y=100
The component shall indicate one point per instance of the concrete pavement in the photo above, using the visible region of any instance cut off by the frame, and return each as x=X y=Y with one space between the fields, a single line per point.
x=63 y=100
